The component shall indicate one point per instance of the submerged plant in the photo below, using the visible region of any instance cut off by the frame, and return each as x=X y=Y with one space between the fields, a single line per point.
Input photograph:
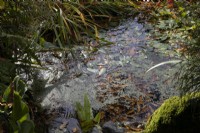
x=85 y=115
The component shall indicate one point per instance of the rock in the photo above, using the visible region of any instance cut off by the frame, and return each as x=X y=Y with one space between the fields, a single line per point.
x=176 y=115
x=97 y=129
x=111 y=127
x=63 y=125
x=73 y=126
x=64 y=120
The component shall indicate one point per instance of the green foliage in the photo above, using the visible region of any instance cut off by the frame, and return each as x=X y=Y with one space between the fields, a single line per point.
x=2 y=4
x=189 y=75
x=177 y=114
x=15 y=109
x=85 y=115
x=71 y=20
x=18 y=43
x=179 y=29
x=27 y=27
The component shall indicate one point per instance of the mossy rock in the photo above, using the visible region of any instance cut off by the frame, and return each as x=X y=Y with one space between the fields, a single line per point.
x=176 y=115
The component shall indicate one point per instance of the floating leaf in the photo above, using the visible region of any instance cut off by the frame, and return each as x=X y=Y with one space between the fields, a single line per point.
x=92 y=70
x=163 y=63
x=102 y=71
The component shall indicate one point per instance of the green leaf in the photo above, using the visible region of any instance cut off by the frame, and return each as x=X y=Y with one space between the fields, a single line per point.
x=2 y=4
x=6 y=95
x=42 y=41
x=24 y=118
x=27 y=127
x=97 y=118
x=181 y=9
x=80 y=111
x=87 y=125
x=19 y=108
x=14 y=125
x=87 y=108
x=19 y=85
x=85 y=115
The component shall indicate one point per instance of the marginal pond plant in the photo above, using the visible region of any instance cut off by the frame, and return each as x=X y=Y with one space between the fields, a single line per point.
x=30 y=27
x=85 y=115
x=14 y=111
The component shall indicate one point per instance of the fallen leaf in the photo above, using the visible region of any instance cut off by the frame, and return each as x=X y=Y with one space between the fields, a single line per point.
x=75 y=130
x=63 y=125
x=102 y=71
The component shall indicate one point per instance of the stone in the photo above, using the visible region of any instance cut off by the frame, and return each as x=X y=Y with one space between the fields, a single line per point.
x=70 y=125
x=176 y=115
x=73 y=126
x=111 y=127
x=97 y=129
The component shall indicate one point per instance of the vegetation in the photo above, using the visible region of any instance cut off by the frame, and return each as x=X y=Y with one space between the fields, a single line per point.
x=176 y=115
x=85 y=115
x=14 y=112
x=17 y=39
x=37 y=26
x=30 y=27
x=190 y=73
x=178 y=27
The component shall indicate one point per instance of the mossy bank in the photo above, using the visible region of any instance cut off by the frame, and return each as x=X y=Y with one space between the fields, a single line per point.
x=176 y=115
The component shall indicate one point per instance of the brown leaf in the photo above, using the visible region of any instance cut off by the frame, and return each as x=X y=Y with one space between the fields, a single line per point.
x=63 y=125
x=75 y=130
x=130 y=112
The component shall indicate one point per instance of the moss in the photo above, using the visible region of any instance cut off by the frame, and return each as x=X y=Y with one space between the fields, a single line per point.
x=176 y=115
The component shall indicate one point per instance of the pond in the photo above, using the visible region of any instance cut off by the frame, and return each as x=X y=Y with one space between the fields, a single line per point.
x=114 y=77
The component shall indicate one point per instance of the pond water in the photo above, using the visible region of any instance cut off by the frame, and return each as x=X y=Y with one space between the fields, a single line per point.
x=114 y=77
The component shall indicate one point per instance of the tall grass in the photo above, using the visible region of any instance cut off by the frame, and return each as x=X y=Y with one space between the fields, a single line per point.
x=28 y=27
x=72 y=20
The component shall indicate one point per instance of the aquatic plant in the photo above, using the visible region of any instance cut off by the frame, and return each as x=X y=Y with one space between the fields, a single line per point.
x=85 y=115
x=71 y=20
